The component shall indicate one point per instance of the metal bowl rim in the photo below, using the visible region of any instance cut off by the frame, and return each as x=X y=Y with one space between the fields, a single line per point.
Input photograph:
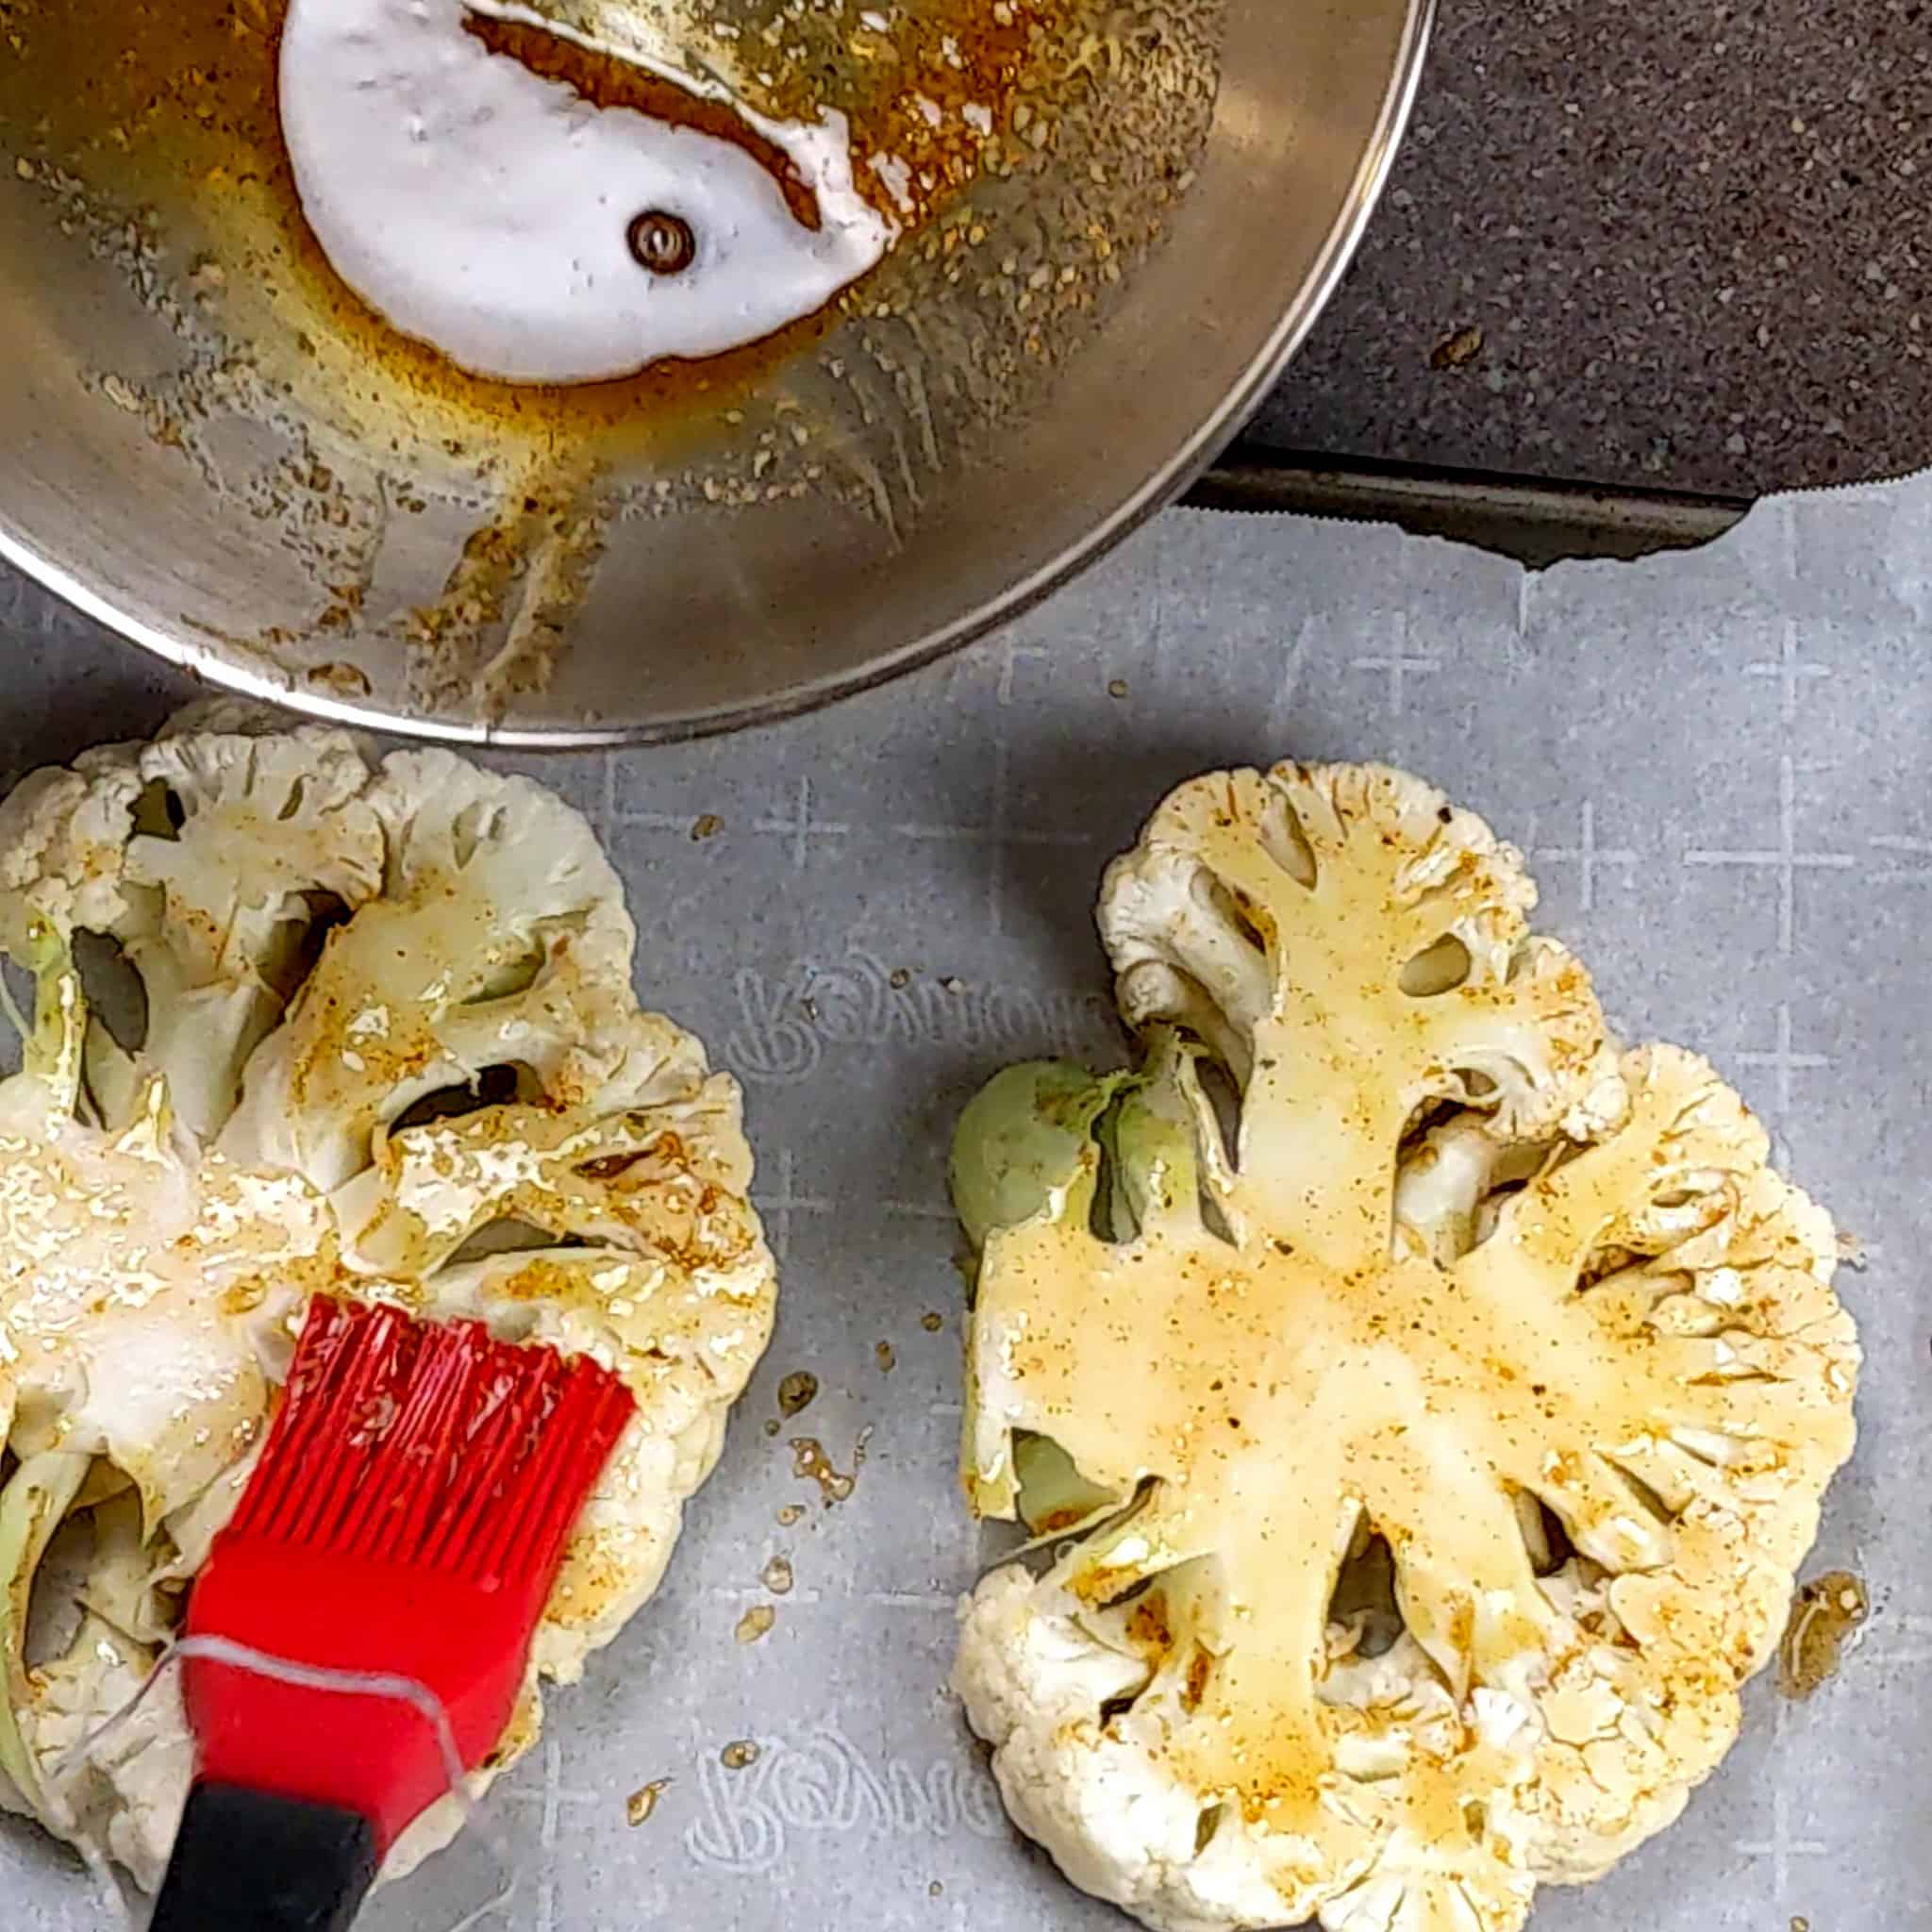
x=1161 y=489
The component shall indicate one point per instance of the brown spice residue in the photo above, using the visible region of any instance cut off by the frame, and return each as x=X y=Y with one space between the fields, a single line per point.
x=706 y=825
x=1057 y=1521
x=344 y=681
x=886 y=1355
x=797 y=1392
x=792 y=1512
x=952 y=77
x=776 y=1576
x=244 y=1298
x=525 y=573
x=1200 y=1668
x=810 y=1463
x=932 y=1322
x=1147 y=1624
x=642 y=1803
x=738 y=1756
x=1824 y=1613
x=755 y=1623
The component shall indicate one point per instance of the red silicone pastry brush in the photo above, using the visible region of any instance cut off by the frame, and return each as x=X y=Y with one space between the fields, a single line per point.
x=406 y=1522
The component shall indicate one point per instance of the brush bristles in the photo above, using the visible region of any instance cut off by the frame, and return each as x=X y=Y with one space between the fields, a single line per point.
x=429 y=1443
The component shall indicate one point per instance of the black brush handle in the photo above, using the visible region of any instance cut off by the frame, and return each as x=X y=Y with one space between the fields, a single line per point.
x=245 y=1861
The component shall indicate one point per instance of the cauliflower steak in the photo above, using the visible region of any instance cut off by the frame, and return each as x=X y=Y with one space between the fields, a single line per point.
x=1421 y=1402
x=303 y=1023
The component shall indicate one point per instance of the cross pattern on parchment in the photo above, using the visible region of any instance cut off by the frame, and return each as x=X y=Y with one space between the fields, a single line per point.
x=846 y=1590
x=1791 y=669
x=1787 y=858
x=795 y=821
x=609 y=815
x=779 y=1208
x=748 y=1596
x=919 y=1210
x=553 y=1799
x=678 y=821
x=1916 y=1651
x=1587 y=855
x=999 y=835
x=1786 y=514
x=850 y=1589
x=946 y=1601
x=1011 y=657
x=1912 y=857
x=957 y=1538
x=1784 y=1062
x=802 y=829
x=1398 y=665
x=1782 y=1843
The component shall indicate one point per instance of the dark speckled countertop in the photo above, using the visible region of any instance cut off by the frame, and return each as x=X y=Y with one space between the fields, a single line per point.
x=1696 y=242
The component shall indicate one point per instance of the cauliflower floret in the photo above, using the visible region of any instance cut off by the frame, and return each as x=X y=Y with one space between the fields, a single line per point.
x=206 y=859
x=308 y=1025
x=1437 y=1442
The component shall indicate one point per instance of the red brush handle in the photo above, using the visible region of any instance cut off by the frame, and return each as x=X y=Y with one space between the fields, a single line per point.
x=407 y=1519
x=375 y=1755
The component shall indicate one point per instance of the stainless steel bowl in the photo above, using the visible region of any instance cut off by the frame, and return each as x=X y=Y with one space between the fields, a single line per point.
x=189 y=453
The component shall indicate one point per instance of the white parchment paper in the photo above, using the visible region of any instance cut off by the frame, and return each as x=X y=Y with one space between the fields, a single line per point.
x=1720 y=764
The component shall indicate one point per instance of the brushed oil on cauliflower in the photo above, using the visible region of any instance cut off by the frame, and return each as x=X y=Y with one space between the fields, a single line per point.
x=1438 y=1395
x=305 y=1022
